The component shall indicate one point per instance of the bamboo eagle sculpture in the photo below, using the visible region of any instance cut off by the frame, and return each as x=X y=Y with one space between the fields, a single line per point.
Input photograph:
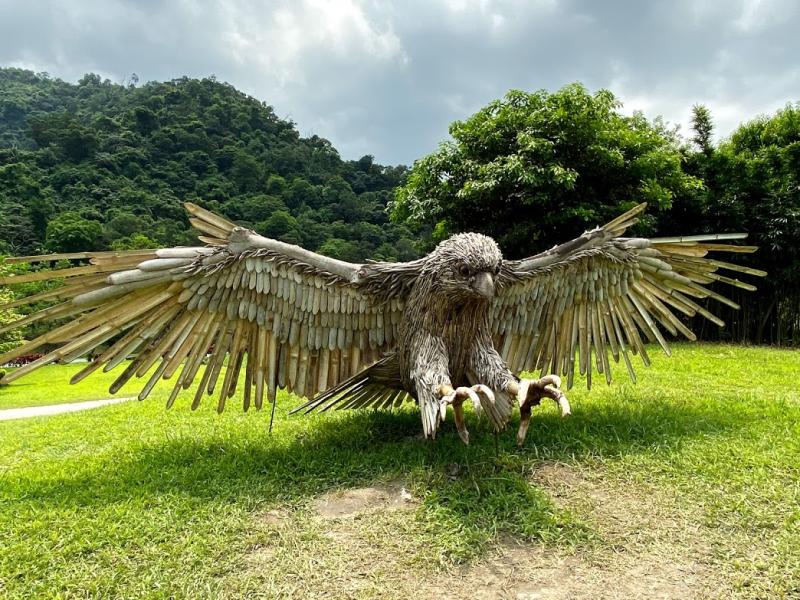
x=454 y=326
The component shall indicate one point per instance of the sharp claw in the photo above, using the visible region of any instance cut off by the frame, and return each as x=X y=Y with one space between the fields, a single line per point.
x=530 y=393
x=524 y=421
x=472 y=395
x=480 y=395
x=522 y=391
x=458 y=414
x=553 y=380
x=562 y=402
x=485 y=390
x=456 y=398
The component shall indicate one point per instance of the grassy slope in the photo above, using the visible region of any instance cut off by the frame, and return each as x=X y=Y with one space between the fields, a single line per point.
x=132 y=501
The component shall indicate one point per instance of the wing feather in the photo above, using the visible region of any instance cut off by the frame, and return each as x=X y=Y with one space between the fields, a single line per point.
x=598 y=297
x=287 y=317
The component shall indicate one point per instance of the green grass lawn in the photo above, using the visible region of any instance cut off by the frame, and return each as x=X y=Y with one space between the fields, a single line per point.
x=50 y=385
x=693 y=473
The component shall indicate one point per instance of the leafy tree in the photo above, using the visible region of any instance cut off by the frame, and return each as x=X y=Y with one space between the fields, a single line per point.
x=536 y=168
x=703 y=127
x=254 y=208
x=341 y=249
x=18 y=230
x=74 y=141
x=281 y=225
x=756 y=188
x=246 y=172
x=135 y=241
x=70 y=232
x=314 y=233
x=276 y=185
x=26 y=207
x=146 y=120
x=77 y=142
x=124 y=224
x=9 y=339
x=405 y=249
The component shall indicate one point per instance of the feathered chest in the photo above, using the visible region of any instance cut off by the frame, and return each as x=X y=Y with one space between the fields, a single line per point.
x=432 y=321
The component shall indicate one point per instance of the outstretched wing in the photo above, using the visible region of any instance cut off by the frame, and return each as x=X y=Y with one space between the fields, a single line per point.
x=602 y=293
x=291 y=318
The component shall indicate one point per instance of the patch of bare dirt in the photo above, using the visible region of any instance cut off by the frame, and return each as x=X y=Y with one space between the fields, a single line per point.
x=347 y=503
x=528 y=572
x=627 y=515
x=276 y=517
x=650 y=548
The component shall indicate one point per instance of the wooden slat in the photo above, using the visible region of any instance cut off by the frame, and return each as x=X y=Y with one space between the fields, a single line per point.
x=47 y=274
x=77 y=255
x=80 y=285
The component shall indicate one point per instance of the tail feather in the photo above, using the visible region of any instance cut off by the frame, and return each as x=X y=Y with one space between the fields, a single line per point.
x=377 y=386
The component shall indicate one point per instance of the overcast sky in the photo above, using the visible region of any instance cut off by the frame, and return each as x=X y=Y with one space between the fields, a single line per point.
x=387 y=78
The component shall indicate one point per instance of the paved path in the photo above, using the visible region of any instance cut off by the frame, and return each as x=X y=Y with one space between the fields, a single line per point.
x=56 y=409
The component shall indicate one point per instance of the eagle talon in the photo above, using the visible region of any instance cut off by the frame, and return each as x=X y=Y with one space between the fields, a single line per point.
x=456 y=398
x=486 y=391
x=529 y=393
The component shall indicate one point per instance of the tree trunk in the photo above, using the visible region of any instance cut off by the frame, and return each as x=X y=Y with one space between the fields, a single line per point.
x=764 y=319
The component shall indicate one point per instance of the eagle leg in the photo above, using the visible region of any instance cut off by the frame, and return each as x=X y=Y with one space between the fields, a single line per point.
x=456 y=397
x=529 y=393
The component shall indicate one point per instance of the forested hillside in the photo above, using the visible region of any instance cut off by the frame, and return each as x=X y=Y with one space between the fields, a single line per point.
x=99 y=165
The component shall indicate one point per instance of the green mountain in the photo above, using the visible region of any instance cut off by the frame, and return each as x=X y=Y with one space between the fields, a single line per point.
x=97 y=165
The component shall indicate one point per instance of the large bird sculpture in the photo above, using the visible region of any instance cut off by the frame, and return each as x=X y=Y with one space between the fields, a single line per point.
x=452 y=327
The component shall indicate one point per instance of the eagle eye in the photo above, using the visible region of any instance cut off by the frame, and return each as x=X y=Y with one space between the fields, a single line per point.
x=497 y=270
x=464 y=271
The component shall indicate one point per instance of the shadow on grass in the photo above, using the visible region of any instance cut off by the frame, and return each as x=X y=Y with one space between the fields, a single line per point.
x=472 y=489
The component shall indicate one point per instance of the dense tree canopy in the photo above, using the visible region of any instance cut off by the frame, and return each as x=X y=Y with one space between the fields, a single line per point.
x=8 y=339
x=752 y=183
x=534 y=169
x=98 y=165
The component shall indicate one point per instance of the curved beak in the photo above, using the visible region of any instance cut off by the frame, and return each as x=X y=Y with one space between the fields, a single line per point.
x=484 y=284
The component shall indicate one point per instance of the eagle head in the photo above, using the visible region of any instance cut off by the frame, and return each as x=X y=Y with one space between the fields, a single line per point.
x=465 y=266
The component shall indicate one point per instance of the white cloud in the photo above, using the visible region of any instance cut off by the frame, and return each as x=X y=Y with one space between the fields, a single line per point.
x=281 y=39
x=387 y=78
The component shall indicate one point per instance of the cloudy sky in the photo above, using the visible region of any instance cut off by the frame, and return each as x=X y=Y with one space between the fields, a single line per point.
x=387 y=78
